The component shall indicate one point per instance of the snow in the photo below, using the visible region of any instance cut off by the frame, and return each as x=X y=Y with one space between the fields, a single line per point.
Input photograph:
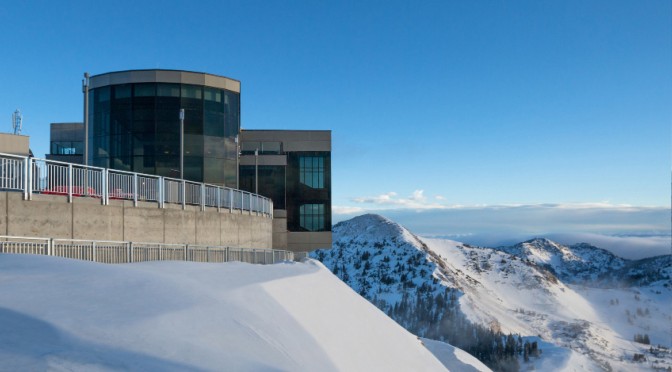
x=581 y=304
x=450 y=356
x=556 y=358
x=60 y=314
x=584 y=328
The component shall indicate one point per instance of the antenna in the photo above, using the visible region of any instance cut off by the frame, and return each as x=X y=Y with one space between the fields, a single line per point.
x=17 y=121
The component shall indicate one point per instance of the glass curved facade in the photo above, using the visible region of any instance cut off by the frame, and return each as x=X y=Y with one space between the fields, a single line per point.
x=136 y=127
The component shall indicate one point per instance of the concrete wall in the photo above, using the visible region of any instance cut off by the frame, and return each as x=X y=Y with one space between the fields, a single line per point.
x=15 y=144
x=52 y=216
x=308 y=241
x=280 y=229
x=292 y=140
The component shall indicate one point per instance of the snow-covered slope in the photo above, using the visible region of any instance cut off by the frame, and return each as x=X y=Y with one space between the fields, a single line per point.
x=586 y=264
x=59 y=314
x=513 y=290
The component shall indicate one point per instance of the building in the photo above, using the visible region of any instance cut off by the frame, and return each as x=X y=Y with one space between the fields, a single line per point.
x=134 y=124
x=15 y=144
x=67 y=142
x=134 y=121
x=293 y=168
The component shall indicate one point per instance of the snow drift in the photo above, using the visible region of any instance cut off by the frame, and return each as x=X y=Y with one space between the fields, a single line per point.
x=74 y=315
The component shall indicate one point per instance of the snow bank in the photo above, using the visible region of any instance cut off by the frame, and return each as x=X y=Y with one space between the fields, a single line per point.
x=74 y=315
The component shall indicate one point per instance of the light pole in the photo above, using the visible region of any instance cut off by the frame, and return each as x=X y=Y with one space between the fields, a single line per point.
x=256 y=171
x=237 y=164
x=85 y=90
x=182 y=143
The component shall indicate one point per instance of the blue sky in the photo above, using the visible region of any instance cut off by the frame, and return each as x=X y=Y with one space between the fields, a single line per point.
x=434 y=106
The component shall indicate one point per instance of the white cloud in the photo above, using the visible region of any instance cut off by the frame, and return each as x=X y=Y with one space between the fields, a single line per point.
x=339 y=210
x=418 y=196
x=415 y=201
x=631 y=247
x=387 y=198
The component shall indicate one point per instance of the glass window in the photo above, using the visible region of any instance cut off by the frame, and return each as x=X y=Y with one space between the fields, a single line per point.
x=168 y=90
x=191 y=91
x=103 y=94
x=193 y=168
x=212 y=94
x=122 y=91
x=144 y=90
x=270 y=180
x=232 y=113
x=213 y=124
x=213 y=170
x=311 y=171
x=214 y=147
x=311 y=217
x=79 y=147
x=67 y=148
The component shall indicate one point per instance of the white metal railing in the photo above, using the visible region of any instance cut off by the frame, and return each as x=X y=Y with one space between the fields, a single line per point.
x=33 y=175
x=124 y=252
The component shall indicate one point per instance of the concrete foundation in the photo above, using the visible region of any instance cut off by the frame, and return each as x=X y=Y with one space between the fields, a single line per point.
x=51 y=216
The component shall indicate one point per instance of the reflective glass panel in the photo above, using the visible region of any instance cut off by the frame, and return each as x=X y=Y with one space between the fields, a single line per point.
x=311 y=217
x=168 y=90
x=311 y=171
x=144 y=90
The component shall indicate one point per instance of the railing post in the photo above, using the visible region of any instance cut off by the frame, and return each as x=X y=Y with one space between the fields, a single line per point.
x=135 y=189
x=207 y=254
x=29 y=179
x=24 y=176
x=202 y=197
x=159 y=191
x=70 y=185
x=130 y=252
x=230 y=200
x=50 y=247
x=105 y=198
x=226 y=255
x=186 y=252
x=93 y=251
x=219 y=198
x=184 y=194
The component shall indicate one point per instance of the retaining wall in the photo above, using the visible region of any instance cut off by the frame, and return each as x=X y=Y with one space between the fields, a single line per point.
x=86 y=218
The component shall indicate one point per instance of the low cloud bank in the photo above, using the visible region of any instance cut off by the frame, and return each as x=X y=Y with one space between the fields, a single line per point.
x=630 y=232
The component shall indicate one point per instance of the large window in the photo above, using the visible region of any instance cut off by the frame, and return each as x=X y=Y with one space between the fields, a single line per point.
x=311 y=217
x=136 y=127
x=67 y=147
x=271 y=182
x=311 y=171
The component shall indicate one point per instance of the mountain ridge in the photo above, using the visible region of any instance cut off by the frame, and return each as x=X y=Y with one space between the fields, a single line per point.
x=529 y=289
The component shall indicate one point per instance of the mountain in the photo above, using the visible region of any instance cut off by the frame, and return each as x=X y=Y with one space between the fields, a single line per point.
x=586 y=264
x=61 y=314
x=497 y=303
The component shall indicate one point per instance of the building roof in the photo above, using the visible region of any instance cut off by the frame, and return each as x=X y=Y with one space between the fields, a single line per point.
x=164 y=76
